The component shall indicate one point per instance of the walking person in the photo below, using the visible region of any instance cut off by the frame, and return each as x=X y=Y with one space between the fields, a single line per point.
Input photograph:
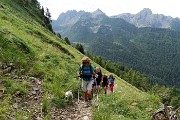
x=111 y=82
x=97 y=80
x=86 y=72
x=105 y=83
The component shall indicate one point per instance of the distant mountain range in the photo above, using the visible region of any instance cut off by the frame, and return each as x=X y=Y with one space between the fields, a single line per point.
x=143 y=45
x=146 y=18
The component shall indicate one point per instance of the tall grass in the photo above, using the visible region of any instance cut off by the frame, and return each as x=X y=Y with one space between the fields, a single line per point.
x=5 y=108
x=14 y=86
x=126 y=104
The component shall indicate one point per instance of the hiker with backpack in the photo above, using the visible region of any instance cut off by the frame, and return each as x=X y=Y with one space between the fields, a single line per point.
x=86 y=72
x=97 y=80
x=105 y=83
x=111 y=82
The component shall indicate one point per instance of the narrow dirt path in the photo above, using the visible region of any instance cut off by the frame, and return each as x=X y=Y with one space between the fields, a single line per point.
x=72 y=112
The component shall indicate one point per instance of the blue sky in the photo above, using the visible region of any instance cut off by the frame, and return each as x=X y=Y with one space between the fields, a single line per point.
x=113 y=7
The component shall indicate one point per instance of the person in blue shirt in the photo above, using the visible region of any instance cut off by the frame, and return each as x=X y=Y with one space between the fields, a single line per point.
x=86 y=72
x=111 y=82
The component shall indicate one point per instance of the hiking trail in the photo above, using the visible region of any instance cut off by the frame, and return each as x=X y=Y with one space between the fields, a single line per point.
x=72 y=112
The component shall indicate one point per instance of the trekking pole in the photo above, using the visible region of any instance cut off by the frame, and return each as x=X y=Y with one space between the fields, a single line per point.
x=97 y=91
x=78 y=94
x=97 y=99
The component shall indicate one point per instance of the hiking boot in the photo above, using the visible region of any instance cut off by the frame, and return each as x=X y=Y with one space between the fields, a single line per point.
x=90 y=102
x=81 y=98
x=86 y=104
x=90 y=98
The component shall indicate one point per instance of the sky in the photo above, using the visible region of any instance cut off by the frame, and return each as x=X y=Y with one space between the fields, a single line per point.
x=113 y=7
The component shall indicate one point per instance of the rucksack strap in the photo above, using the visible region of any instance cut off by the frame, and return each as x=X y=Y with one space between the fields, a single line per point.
x=86 y=76
x=90 y=67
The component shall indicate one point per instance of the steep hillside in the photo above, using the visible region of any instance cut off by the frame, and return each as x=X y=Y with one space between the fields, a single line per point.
x=36 y=68
x=153 y=51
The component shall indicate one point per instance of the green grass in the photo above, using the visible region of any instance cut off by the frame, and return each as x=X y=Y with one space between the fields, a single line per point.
x=16 y=87
x=126 y=103
x=4 y=107
x=42 y=54
x=45 y=104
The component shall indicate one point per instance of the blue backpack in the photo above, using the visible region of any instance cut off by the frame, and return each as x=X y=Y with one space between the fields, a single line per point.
x=86 y=72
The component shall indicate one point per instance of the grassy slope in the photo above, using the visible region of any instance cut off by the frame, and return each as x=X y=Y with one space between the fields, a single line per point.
x=26 y=43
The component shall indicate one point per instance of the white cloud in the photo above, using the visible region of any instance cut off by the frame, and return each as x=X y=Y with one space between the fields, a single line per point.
x=113 y=7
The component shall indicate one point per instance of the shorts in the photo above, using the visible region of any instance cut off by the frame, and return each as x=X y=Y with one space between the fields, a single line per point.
x=111 y=86
x=104 y=85
x=87 y=85
x=96 y=84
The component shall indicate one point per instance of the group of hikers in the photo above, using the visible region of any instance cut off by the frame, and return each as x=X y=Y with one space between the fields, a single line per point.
x=93 y=79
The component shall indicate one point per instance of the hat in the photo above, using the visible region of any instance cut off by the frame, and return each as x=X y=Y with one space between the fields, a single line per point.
x=85 y=59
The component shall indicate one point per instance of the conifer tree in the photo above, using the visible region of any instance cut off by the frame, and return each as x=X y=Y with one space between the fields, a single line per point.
x=48 y=19
x=48 y=15
x=36 y=3
x=42 y=10
x=80 y=48
x=59 y=35
x=67 y=40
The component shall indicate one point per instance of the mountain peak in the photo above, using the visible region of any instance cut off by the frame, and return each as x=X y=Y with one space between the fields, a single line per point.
x=98 y=12
x=146 y=11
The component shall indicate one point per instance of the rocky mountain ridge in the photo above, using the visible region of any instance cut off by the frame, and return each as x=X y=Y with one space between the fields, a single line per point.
x=145 y=18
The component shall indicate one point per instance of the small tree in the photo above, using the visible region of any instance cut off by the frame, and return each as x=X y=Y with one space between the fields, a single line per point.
x=48 y=20
x=59 y=35
x=67 y=40
x=48 y=15
x=80 y=48
x=36 y=3
x=42 y=10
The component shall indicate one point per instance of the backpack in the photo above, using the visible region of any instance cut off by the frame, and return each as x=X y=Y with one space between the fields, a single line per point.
x=99 y=78
x=111 y=80
x=83 y=75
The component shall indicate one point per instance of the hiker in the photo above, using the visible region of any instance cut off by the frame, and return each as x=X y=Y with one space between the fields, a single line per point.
x=86 y=72
x=105 y=83
x=111 y=82
x=98 y=79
